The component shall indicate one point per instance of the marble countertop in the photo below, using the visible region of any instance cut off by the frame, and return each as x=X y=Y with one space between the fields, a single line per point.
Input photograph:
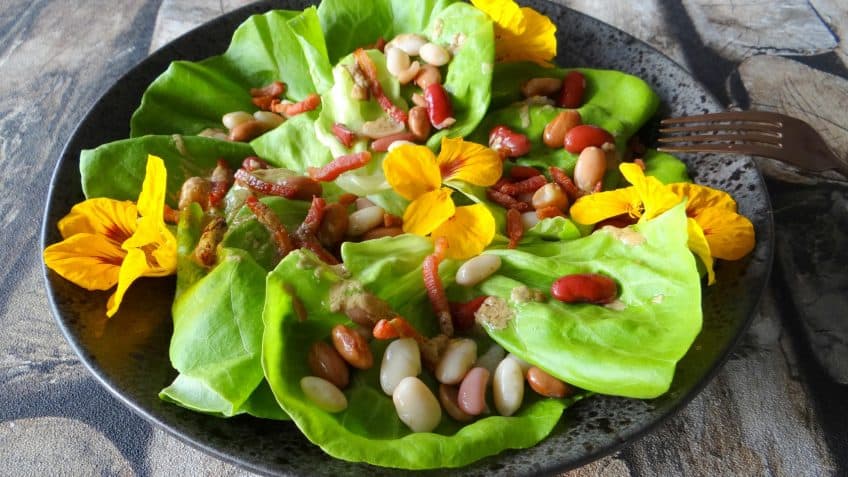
x=776 y=407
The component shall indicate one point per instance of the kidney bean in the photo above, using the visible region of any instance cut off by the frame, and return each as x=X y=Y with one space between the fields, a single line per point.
x=456 y=361
x=573 y=87
x=247 y=131
x=364 y=220
x=472 y=391
x=427 y=75
x=434 y=54
x=333 y=226
x=323 y=394
x=491 y=358
x=550 y=195
x=477 y=269
x=400 y=360
x=547 y=385
x=416 y=405
x=585 y=135
x=194 y=189
x=352 y=347
x=439 y=107
x=554 y=134
x=419 y=123
x=448 y=397
x=508 y=387
x=380 y=232
x=383 y=144
x=233 y=119
x=590 y=168
x=325 y=362
x=508 y=143
x=585 y=288
x=541 y=87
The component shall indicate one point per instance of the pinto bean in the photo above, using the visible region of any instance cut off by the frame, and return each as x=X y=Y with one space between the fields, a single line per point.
x=541 y=87
x=427 y=75
x=419 y=123
x=550 y=195
x=547 y=385
x=555 y=131
x=334 y=225
x=233 y=119
x=352 y=347
x=380 y=232
x=590 y=168
x=325 y=362
x=448 y=396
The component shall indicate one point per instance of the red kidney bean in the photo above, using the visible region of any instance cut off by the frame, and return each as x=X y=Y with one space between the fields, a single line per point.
x=439 y=107
x=585 y=135
x=508 y=143
x=585 y=288
x=573 y=86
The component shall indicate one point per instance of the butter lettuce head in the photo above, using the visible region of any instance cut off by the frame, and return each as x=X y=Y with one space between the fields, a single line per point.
x=369 y=430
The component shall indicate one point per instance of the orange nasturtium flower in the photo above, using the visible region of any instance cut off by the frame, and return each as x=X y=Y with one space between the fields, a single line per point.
x=110 y=242
x=521 y=33
x=416 y=174
x=714 y=227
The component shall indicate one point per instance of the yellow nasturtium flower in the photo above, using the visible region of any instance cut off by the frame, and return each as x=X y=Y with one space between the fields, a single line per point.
x=715 y=229
x=416 y=174
x=521 y=33
x=109 y=242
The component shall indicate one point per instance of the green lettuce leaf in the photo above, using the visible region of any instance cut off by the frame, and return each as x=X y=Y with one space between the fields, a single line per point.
x=117 y=169
x=626 y=350
x=369 y=429
x=665 y=167
x=192 y=96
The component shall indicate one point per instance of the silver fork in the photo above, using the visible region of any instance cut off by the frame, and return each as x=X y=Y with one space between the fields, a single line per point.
x=757 y=133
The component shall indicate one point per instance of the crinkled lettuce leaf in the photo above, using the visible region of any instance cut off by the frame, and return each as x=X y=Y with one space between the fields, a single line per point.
x=369 y=430
x=192 y=96
x=626 y=349
x=117 y=169
x=665 y=167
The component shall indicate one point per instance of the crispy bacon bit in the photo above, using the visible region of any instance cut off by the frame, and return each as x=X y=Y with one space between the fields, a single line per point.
x=311 y=243
x=530 y=185
x=390 y=220
x=269 y=219
x=523 y=172
x=220 y=183
x=507 y=201
x=338 y=166
x=514 y=227
x=396 y=328
x=505 y=186
x=463 y=313
x=272 y=89
x=432 y=350
x=297 y=188
x=253 y=163
x=548 y=212
x=380 y=44
x=561 y=178
x=369 y=69
x=347 y=199
x=344 y=134
x=288 y=110
x=205 y=251
x=435 y=289
x=313 y=217
x=265 y=103
x=170 y=215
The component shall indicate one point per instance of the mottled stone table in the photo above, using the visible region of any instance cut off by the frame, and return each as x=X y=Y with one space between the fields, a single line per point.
x=776 y=408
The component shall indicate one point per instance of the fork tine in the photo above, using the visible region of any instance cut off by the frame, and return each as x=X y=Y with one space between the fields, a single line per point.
x=774 y=129
x=748 y=116
x=740 y=138
x=749 y=149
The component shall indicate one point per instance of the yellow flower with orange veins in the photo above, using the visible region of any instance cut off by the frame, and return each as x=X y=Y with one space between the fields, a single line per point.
x=416 y=174
x=715 y=229
x=109 y=242
x=521 y=33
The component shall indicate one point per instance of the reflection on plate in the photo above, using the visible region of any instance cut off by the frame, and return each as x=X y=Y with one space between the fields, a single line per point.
x=129 y=353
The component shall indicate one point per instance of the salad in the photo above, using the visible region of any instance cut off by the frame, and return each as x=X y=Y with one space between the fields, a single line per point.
x=403 y=229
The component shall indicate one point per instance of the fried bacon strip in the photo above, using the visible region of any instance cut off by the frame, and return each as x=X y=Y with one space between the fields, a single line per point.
x=369 y=69
x=306 y=235
x=531 y=184
x=220 y=183
x=435 y=289
x=463 y=313
x=507 y=201
x=340 y=165
x=288 y=110
x=344 y=134
x=523 y=172
x=205 y=251
x=514 y=227
x=561 y=178
x=275 y=88
x=253 y=163
x=549 y=212
x=297 y=188
x=396 y=328
x=269 y=219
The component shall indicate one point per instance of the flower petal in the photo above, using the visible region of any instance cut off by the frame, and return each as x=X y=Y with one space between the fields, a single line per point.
x=151 y=200
x=702 y=197
x=656 y=197
x=412 y=170
x=504 y=13
x=593 y=208
x=537 y=44
x=730 y=235
x=91 y=261
x=698 y=245
x=428 y=211
x=111 y=218
x=468 y=232
x=135 y=265
x=469 y=162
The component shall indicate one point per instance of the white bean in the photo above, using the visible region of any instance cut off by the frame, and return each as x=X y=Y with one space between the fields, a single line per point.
x=397 y=61
x=491 y=358
x=409 y=74
x=477 y=269
x=323 y=393
x=363 y=203
x=401 y=360
x=529 y=219
x=416 y=405
x=235 y=118
x=269 y=119
x=364 y=220
x=457 y=359
x=434 y=54
x=508 y=387
x=410 y=43
x=590 y=168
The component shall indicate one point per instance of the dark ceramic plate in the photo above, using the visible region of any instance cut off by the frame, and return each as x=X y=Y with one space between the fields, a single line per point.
x=129 y=353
